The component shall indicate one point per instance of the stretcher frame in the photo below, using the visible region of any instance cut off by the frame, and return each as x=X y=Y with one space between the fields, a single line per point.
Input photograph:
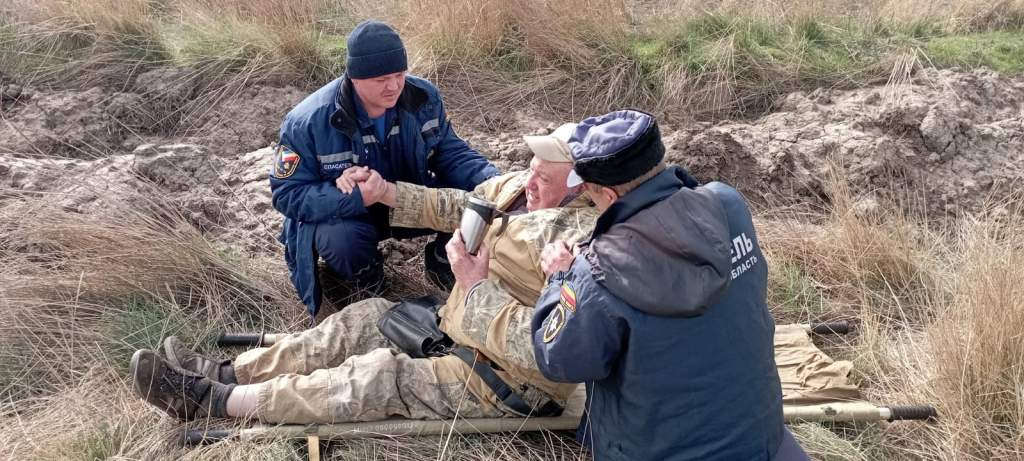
x=852 y=411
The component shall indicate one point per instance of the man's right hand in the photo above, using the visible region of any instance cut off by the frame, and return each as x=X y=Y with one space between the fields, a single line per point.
x=352 y=176
x=468 y=269
x=376 y=190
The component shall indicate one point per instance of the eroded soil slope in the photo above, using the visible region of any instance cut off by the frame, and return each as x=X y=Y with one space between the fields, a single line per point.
x=954 y=140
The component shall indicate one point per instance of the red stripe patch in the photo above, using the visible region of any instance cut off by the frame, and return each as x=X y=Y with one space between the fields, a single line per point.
x=568 y=297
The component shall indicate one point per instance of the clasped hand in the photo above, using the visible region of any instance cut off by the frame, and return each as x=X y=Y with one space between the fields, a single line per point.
x=371 y=185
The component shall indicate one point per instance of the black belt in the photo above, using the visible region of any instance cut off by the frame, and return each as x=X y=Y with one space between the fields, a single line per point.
x=510 y=398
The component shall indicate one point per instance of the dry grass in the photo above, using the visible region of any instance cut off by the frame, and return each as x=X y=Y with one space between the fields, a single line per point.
x=939 y=322
x=524 y=55
x=230 y=44
x=239 y=42
x=939 y=317
x=958 y=14
x=978 y=342
x=859 y=259
x=519 y=33
x=566 y=58
x=679 y=59
x=938 y=305
x=82 y=292
x=140 y=246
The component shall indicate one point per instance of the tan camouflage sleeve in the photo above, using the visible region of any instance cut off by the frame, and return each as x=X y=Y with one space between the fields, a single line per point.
x=494 y=318
x=422 y=207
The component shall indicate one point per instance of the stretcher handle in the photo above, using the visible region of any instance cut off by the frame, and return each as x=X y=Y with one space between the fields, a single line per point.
x=913 y=412
x=193 y=437
x=240 y=339
x=840 y=327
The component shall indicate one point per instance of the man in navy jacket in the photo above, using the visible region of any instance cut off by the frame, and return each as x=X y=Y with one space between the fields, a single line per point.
x=663 y=313
x=345 y=144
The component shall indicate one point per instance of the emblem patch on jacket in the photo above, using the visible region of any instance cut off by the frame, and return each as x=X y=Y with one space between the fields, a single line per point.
x=555 y=323
x=286 y=161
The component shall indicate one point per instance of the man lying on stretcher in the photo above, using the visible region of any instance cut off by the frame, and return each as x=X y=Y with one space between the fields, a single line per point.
x=346 y=370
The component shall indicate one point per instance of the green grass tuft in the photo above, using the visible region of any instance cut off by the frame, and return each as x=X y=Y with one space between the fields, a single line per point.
x=646 y=49
x=793 y=295
x=16 y=368
x=140 y=43
x=999 y=51
x=717 y=63
x=228 y=48
x=103 y=442
x=140 y=324
x=811 y=31
x=62 y=51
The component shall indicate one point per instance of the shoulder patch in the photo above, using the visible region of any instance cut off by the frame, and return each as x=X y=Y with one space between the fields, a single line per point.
x=568 y=297
x=555 y=323
x=286 y=161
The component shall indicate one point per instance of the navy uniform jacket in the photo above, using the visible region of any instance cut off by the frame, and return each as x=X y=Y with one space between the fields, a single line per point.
x=322 y=136
x=664 y=316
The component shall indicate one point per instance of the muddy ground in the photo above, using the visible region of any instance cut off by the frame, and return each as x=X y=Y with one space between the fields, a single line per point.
x=952 y=141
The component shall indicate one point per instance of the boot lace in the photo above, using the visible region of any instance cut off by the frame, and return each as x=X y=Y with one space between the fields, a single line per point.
x=173 y=382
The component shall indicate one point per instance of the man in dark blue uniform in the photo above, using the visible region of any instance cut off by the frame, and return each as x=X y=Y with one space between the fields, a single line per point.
x=343 y=148
x=663 y=313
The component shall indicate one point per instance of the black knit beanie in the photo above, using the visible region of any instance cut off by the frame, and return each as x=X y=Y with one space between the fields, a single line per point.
x=374 y=49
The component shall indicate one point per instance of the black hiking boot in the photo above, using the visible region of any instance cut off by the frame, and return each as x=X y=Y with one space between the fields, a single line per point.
x=178 y=392
x=220 y=371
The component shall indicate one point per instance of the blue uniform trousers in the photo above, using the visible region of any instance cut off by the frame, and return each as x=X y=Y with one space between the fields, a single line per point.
x=349 y=245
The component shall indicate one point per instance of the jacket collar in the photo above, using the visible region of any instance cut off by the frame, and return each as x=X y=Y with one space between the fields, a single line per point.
x=654 y=190
x=346 y=117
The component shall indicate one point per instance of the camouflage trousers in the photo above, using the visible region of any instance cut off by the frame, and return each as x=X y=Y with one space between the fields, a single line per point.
x=344 y=370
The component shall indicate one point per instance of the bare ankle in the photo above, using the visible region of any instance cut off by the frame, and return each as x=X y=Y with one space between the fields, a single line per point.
x=244 y=400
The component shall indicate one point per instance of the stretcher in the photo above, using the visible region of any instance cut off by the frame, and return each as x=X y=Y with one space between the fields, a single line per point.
x=815 y=389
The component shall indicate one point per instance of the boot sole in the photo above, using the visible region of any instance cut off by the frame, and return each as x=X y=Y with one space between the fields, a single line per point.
x=133 y=369
x=169 y=352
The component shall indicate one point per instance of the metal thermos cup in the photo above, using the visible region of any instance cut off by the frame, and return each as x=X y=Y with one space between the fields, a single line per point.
x=477 y=219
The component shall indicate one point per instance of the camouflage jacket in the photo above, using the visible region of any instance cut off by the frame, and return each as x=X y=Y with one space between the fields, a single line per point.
x=494 y=317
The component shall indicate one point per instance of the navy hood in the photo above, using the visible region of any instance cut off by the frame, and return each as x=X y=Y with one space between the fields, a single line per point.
x=664 y=247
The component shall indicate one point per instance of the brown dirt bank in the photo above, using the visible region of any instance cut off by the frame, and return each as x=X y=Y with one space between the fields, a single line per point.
x=953 y=139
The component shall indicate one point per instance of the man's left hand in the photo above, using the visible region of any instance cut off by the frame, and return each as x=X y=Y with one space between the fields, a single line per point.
x=350 y=177
x=468 y=269
x=556 y=257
